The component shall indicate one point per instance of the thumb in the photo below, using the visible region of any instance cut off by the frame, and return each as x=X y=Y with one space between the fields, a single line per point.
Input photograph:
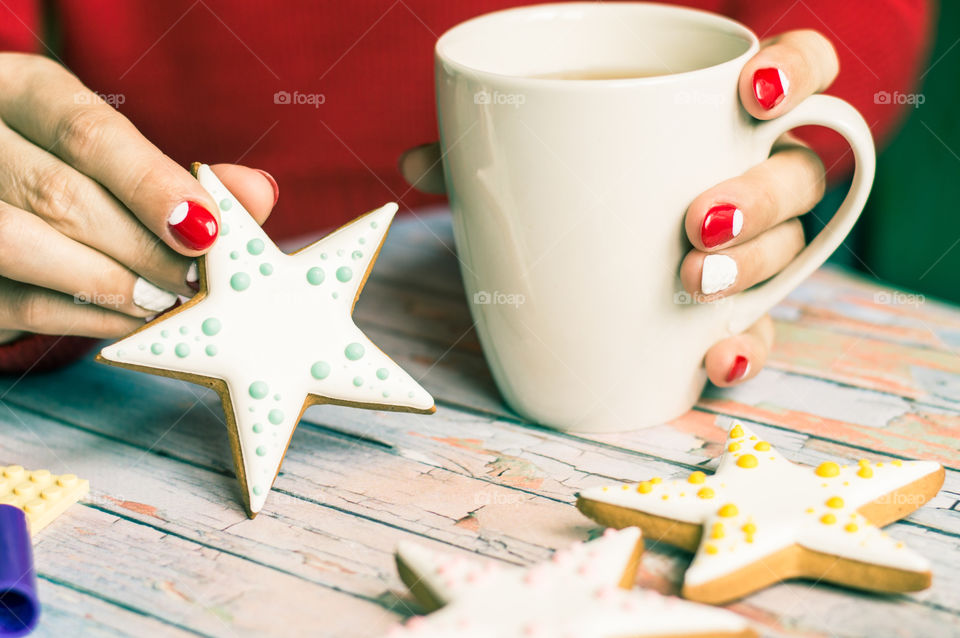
x=255 y=189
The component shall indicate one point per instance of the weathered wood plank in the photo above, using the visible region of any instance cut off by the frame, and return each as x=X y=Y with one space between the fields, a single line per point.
x=515 y=526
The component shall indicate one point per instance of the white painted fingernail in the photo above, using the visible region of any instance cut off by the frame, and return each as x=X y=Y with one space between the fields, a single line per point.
x=737 y=224
x=719 y=273
x=193 y=275
x=149 y=297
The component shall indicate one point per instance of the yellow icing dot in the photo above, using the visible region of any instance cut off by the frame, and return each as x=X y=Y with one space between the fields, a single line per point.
x=846 y=482
x=749 y=538
x=899 y=545
x=705 y=492
x=717 y=530
x=606 y=489
x=896 y=462
x=749 y=528
x=728 y=510
x=828 y=519
x=696 y=478
x=828 y=469
x=747 y=460
x=761 y=446
x=665 y=496
x=850 y=527
x=753 y=438
x=683 y=493
x=736 y=432
x=863 y=462
x=710 y=549
x=835 y=502
x=644 y=487
x=625 y=487
x=879 y=464
x=656 y=479
x=865 y=471
x=809 y=510
x=734 y=447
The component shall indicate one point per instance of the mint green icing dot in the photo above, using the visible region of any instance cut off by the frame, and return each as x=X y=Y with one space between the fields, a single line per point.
x=257 y=428
x=240 y=281
x=226 y=204
x=182 y=350
x=344 y=273
x=340 y=252
x=261 y=451
x=257 y=490
x=224 y=229
x=383 y=373
x=258 y=389
x=275 y=416
x=361 y=241
x=211 y=350
x=386 y=394
x=373 y=224
x=356 y=254
x=336 y=295
x=197 y=338
x=121 y=352
x=142 y=347
x=323 y=255
x=320 y=370
x=164 y=333
x=354 y=351
x=255 y=246
x=410 y=394
x=184 y=330
x=276 y=397
x=358 y=381
x=234 y=254
x=211 y=326
x=315 y=276
x=266 y=269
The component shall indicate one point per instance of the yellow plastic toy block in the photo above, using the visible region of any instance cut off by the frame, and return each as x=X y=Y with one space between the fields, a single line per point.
x=41 y=495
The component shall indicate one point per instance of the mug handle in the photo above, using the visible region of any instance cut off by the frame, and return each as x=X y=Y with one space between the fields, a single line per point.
x=834 y=113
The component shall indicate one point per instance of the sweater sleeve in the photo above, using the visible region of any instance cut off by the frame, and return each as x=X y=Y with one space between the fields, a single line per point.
x=882 y=46
x=20 y=30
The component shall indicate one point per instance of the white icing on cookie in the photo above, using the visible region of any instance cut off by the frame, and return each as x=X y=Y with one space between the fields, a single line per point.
x=275 y=328
x=758 y=503
x=575 y=594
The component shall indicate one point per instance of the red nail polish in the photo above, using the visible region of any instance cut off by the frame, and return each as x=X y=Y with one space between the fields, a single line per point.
x=722 y=223
x=193 y=225
x=739 y=369
x=273 y=182
x=770 y=85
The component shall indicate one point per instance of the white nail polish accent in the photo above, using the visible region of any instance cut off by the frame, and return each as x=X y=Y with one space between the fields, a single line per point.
x=178 y=214
x=149 y=297
x=719 y=273
x=784 y=82
x=192 y=274
x=737 y=222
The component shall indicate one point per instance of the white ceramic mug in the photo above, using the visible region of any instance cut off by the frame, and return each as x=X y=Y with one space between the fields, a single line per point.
x=568 y=199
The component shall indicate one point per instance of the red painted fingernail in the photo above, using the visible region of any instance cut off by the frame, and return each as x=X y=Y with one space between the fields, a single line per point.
x=273 y=182
x=193 y=225
x=770 y=85
x=739 y=369
x=722 y=223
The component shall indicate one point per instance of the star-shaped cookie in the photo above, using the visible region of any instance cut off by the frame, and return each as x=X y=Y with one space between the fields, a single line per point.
x=761 y=519
x=272 y=333
x=582 y=592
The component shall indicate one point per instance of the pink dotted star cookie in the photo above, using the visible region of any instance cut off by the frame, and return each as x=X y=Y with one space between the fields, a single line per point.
x=761 y=519
x=582 y=592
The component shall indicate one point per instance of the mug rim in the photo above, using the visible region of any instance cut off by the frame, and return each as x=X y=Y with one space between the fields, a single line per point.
x=720 y=22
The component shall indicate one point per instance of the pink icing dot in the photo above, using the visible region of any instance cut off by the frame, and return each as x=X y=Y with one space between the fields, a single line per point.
x=585 y=569
x=534 y=577
x=532 y=630
x=603 y=593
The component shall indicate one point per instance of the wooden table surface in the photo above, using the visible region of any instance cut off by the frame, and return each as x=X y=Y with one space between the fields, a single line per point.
x=162 y=547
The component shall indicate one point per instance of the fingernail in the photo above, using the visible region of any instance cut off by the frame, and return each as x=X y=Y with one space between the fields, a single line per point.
x=176 y=304
x=273 y=182
x=193 y=277
x=193 y=225
x=719 y=273
x=739 y=369
x=722 y=223
x=151 y=298
x=770 y=85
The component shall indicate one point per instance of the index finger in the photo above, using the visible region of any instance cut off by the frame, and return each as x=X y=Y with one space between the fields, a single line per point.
x=53 y=109
x=787 y=69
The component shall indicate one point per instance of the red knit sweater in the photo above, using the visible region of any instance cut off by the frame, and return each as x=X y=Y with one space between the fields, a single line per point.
x=199 y=77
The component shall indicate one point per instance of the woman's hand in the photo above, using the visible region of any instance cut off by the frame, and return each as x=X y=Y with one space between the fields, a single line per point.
x=746 y=229
x=98 y=228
